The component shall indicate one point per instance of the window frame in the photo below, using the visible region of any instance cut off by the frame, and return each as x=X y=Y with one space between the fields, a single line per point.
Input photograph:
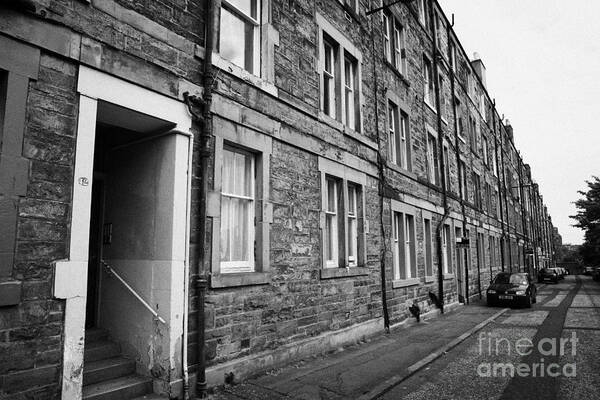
x=230 y=134
x=428 y=245
x=399 y=242
x=241 y=266
x=428 y=82
x=346 y=54
x=234 y=10
x=347 y=179
x=433 y=162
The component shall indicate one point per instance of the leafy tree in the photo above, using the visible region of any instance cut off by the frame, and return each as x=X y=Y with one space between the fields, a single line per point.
x=588 y=219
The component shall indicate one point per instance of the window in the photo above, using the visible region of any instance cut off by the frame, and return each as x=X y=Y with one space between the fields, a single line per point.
x=237 y=211
x=477 y=191
x=459 y=255
x=339 y=68
x=473 y=132
x=498 y=209
x=452 y=55
x=447 y=166
x=351 y=4
x=484 y=145
x=443 y=105
x=460 y=128
x=438 y=28
x=492 y=251
x=482 y=107
x=424 y=16
x=495 y=163
x=481 y=250
x=488 y=197
x=330 y=52
x=404 y=249
x=462 y=175
x=397 y=136
x=428 y=88
x=432 y=160
x=428 y=247
x=394 y=46
x=239 y=40
x=331 y=224
x=352 y=225
x=351 y=102
x=343 y=216
x=445 y=249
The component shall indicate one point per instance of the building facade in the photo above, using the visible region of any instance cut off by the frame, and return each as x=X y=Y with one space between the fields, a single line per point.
x=197 y=216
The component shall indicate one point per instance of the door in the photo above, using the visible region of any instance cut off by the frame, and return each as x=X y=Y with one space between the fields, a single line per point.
x=95 y=253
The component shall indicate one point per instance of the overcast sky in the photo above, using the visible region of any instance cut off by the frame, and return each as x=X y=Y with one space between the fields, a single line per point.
x=543 y=69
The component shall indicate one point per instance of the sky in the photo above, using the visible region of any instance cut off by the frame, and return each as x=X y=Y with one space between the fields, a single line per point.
x=542 y=60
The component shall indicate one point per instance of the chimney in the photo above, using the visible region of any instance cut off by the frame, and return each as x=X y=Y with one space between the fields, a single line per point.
x=479 y=68
x=509 y=129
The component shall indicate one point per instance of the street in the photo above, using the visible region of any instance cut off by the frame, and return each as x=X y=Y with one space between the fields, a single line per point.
x=549 y=351
x=565 y=310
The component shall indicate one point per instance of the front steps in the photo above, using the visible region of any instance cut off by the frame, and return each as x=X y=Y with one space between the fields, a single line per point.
x=109 y=376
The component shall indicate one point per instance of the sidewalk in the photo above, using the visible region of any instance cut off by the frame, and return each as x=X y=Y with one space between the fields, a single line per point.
x=365 y=370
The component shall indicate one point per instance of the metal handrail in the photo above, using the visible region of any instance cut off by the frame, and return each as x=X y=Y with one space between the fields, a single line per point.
x=111 y=272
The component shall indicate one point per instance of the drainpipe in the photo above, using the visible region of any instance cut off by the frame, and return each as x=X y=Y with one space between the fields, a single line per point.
x=440 y=226
x=502 y=255
x=200 y=110
x=382 y=185
x=523 y=220
x=505 y=203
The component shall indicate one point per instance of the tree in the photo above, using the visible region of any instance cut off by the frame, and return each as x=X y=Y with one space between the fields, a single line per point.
x=588 y=219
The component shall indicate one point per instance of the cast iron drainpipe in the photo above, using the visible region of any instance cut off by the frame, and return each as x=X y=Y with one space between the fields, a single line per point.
x=502 y=251
x=382 y=185
x=204 y=119
x=440 y=149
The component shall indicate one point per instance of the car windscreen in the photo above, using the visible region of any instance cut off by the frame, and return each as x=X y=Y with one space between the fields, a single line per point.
x=516 y=279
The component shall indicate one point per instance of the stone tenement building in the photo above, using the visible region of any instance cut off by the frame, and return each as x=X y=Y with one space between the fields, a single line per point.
x=173 y=217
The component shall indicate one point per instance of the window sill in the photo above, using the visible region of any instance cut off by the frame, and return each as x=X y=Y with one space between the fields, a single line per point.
x=462 y=139
x=445 y=121
x=401 y=170
x=239 y=279
x=429 y=279
x=334 y=123
x=244 y=75
x=448 y=276
x=405 y=283
x=401 y=75
x=430 y=106
x=333 y=273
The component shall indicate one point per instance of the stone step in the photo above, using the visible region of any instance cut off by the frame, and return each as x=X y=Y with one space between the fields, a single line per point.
x=123 y=388
x=100 y=350
x=109 y=368
x=95 y=335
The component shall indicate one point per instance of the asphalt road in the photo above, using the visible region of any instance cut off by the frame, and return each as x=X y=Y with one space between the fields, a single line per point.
x=549 y=351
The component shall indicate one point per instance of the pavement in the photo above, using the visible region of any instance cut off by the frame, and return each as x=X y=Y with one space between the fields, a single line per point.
x=369 y=369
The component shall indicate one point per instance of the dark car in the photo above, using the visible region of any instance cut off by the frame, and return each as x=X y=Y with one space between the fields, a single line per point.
x=512 y=288
x=562 y=272
x=548 y=274
x=596 y=274
x=588 y=270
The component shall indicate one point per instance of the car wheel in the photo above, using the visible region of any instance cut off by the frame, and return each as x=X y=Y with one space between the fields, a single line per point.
x=490 y=303
x=528 y=302
x=556 y=280
x=534 y=298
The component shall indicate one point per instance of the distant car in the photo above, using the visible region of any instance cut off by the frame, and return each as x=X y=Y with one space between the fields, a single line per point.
x=548 y=274
x=588 y=270
x=596 y=274
x=512 y=289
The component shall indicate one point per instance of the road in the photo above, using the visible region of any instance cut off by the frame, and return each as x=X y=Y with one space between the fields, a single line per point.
x=552 y=349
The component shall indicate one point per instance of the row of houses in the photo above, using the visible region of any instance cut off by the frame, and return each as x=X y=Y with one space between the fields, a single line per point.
x=193 y=191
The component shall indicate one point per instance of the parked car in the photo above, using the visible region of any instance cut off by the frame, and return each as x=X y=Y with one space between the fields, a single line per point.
x=548 y=274
x=588 y=270
x=512 y=289
x=561 y=272
x=596 y=274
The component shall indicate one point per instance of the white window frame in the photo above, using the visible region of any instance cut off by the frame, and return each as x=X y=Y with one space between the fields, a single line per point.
x=345 y=241
x=329 y=102
x=428 y=245
x=446 y=252
x=428 y=83
x=242 y=266
x=230 y=134
x=332 y=219
x=256 y=23
x=346 y=52
x=404 y=217
x=484 y=146
x=433 y=168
